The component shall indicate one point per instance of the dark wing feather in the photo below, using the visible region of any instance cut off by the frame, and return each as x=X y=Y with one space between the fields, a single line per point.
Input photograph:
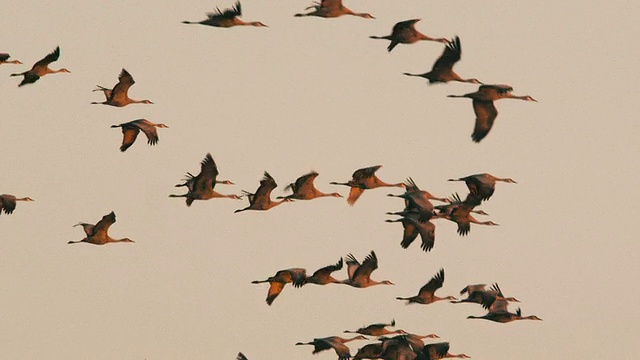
x=485 y=115
x=327 y=270
x=364 y=173
x=449 y=57
x=149 y=130
x=208 y=173
x=434 y=284
x=104 y=223
x=125 y=80
x=369 y=264
x=130 y=134
x=53 y=56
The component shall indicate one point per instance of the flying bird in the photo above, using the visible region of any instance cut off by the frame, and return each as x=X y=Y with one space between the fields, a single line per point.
x=323 y=276
x=226 y=18
x=377 y=329
x=486 y=112
x=360 y=274
x=118 y=95
x=426 y=295
x=41 y=68
x=97 y=234
x=200 y=187
x=4 y=59
x=405 y=32
x=503 y=316
x=482 y=185
x=479 y=294
x=363 y=179
x=303 y=189
x=332 y=9
x=460 y=212
x=295 y=276
x=413 y=227
x=333 y=342
x=131 y=129
x=261 y=200
x=8 y=203
x=442 y=70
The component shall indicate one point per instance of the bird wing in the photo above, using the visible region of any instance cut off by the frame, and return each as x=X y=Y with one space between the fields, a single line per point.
x=352 y=265
x=331 y=4
x=8 y=203
x=365 y=173
x=410 y=185
x=4 y=56
x=125 y=80
x=208 y=173
x=267 y=184
x=297 y=276
x=327 y=270
x=88 y=228
x=104 y=223
x=369 y=264
x=341 y=349
x=354 y=194
x=449 y=57
x=321 y=345
x=241 y=356
x=499 y=88
x=403 y=26
x=434 y=284
x=486 y=113
x=427 y=235
x=469 y=289
x=275 y=288
x=130 y=134
x=437 y=350
x=410 y=232
x=53 y=56
x=148 y=129
x=304 y=184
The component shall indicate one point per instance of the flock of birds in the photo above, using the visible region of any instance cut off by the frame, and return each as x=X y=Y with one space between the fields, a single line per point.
x=416 y=217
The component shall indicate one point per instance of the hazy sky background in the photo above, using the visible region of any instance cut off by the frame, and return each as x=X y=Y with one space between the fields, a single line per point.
x=303 y=94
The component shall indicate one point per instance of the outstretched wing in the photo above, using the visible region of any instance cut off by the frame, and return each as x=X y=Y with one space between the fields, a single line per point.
x=53 y=56
x=104 y=223
x=434 y=284
x=486 y=113
x=125 y=80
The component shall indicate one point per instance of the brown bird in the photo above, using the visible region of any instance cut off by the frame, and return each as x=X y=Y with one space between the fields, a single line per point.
x=360 y=274
x=440 y=351
x=4 y=59
x=363 y=179
x=261 y=200
x=426 y=295
x=277 y=282
x=97 y=234
x=323 y=276
x=417 y=202
x=8 y=203
x=479 y=294
x=412 y=227
x=460 y=213
x=483 y=185
x=332 y=9
x=503 y=316
x=483 y=106
x=377 y=329
x=118 y=95
x=369 y=351
x=333 y=342
x=131 y=130
x=442 y=70
x=405 y=32
x=41 y=68
x=200 y=187
x=226 y=18
x=303 y=189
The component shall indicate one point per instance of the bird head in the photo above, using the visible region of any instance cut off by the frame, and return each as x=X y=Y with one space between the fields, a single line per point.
x=529 y=98
x=126 y=240
x=335 y=194
x=258 y=24
x=64 y=70
x=226 y=182
x=147 y=102
x=162 y=126
x=533 y=317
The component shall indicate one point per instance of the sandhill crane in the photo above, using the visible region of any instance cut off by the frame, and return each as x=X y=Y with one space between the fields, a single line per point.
x=484 y=109
x=277 y=282
x=200 y=187
x=377 y=329
x=41 y=68
x=261 y=200
x=426 y=295
x=460 y=213
x=405 y=32
x=131 y=129
x=8 y=203
x=97 y=234
x=226 y=18
x=241 y=356
x=369 y=351
x=332 y=9
x=360 y=274
x=363 y=179
x=323 y=276
x=439 y=351
x=442 y=70
x=504 y=316
x=303 y=189
x=417 y=201
x=4 y=59
x=118 y=95
x=412 y=227
x=336 y=343
x=483 y=185
x=479 y=294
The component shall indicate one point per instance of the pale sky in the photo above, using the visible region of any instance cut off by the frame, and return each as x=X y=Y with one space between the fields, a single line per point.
x=316 y=94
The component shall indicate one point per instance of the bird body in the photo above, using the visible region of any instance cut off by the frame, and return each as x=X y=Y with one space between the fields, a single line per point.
x=460 y=213
x=484 y=108
x=225 y=19
x=4 y=59
x=131 y=129
x=332 y=9
x=303 y=189
x=118 y=96
x=295 y=276
x=482 y=185
x=261 y=200
x=442 y=70
x=360 y=274
x=377 y=329
x=426 y=295
x=323 y=276
x=41 y=68
x=491 y=299
x=363 y=179
x=405 y=32
x=97 y=234
x=8 y=203
x=333 y=342
x=504 y=316
x=200 y=187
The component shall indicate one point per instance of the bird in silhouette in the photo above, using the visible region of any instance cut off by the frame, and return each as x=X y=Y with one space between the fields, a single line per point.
x=405 y=32
x=131 y=129
x=482 y=185
x=484 y=109
x=8 y=203
x=503 y=316
x=442 y=70
x=295 y=276
x=363 y=179
x=41 y=68
x=377 y=329
x=323 y=276
x=303 y=189
x=261 y=200
x=333 y=342
x=426 y=295
x=332 y=9
x=97 y=234
x=200 y=187
x=118 y=95
x=241 y=356
x=225 y=19
x=360 y=274
x=4 y=59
